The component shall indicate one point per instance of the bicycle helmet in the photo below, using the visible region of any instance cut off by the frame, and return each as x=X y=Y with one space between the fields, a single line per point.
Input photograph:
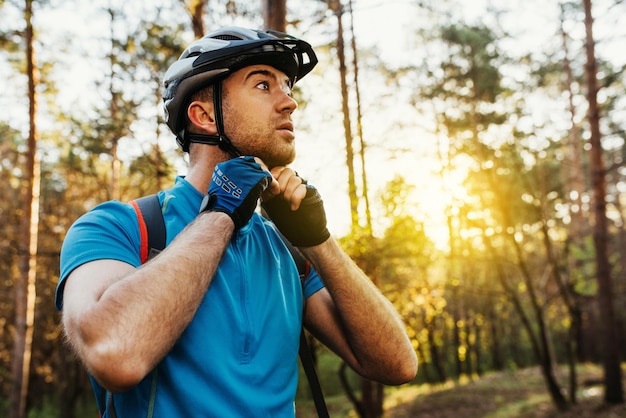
x=212 y=58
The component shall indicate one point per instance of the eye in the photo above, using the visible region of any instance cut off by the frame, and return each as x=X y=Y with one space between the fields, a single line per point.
x=263 y=85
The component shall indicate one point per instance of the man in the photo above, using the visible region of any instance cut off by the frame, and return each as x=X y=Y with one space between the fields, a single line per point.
x=210 y=326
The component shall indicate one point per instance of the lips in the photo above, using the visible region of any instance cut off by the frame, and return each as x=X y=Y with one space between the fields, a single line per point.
x=287 y=126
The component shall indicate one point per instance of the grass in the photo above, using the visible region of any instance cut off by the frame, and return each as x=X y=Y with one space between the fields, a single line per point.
x=495 y=395
x=510 y=394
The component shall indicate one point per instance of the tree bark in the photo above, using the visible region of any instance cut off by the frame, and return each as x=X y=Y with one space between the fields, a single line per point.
x=545 y=358
x=612 y=370
x=25 y=286
x=359 y=125
x=371 y=403
x=196 y=12
x=337 y=8
x=435 y=356
x=114 y=186
x=539 y=343
x=275 y=15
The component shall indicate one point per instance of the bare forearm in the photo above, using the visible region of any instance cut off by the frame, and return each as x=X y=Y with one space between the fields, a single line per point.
x=374 y=331
x=136 y=320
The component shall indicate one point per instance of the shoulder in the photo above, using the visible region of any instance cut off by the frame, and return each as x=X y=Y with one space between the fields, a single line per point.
x=111 y=218
x=108 y=231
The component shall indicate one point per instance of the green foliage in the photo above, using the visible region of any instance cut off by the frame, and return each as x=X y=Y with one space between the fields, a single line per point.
x=472 y=64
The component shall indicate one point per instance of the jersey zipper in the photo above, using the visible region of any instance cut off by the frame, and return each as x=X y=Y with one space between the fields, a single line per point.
x=244 y=300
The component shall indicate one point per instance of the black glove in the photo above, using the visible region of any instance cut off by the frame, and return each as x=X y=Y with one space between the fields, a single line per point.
x=235 y=189
x=304 y=227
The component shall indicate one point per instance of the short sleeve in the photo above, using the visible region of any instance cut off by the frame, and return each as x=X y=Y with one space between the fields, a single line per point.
x=109 y=231
x=312 y=283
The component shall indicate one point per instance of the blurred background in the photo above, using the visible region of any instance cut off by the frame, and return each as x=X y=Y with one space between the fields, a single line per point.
x=470 y=156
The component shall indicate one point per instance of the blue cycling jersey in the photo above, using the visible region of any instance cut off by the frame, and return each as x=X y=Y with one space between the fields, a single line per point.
x=238 y=356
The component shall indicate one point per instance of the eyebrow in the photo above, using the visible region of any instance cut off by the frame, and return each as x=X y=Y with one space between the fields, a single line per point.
x=266 y=73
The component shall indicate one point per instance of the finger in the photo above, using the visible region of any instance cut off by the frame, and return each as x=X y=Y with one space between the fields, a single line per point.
x=273 y=188
x=294 y=190
x=284 y=176
x=289 y=184
x=298 y=196
x=276 y=171
x=292 y=187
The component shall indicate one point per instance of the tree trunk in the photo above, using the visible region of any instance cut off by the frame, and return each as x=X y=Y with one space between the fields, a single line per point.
x=25 y=287
x=371 y=403
x=424 y=370
x=372 y=398
x=337 y=8
x=275 y=15
x=359 y=125
x=477 y=349
x=435 y=357
x=539 y=343
x=612 y=370
x=456 y=331
x=72 y=384
x=196 y=12
x=114 y=184
x=545 y=358
x=496 y=356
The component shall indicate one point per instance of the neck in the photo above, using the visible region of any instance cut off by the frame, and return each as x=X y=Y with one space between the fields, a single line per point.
x=202 y=162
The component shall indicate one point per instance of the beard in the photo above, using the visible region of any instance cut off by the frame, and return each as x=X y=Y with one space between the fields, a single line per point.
x=260 y=140
x=274 y=152
x=275 y=156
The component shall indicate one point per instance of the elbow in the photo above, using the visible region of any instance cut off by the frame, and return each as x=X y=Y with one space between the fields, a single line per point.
x=407 y=370
x=400 y=374
x=389 y=371
x=115 y=369
x=116 y=365
x=403 y=368
x=403 y=371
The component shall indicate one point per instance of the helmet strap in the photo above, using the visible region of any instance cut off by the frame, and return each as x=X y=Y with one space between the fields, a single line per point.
x=224 y=142
x=202 y=139
x=220 y=139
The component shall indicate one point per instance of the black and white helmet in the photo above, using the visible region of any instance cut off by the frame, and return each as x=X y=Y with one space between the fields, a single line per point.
x=215 y=56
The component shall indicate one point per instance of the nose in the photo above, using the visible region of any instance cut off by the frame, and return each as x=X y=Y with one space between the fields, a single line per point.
x=288 y=103
x=291 y=104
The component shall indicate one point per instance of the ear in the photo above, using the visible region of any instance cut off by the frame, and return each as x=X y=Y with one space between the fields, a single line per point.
x=202 y=116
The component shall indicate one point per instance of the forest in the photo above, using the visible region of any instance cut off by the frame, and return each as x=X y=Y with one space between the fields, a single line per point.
x=470 y=157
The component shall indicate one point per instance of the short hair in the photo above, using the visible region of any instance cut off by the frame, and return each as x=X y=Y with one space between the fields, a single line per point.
x=205 y=94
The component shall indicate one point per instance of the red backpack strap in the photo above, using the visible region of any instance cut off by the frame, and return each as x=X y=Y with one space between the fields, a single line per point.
x=143 y=233
x=151 y=226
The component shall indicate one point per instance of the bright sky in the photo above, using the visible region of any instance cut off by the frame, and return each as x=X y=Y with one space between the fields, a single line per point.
x=388 y=25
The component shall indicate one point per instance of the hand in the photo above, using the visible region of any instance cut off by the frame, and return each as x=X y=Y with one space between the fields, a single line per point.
x=235 y=188
x=298 y=210
x=288 y=185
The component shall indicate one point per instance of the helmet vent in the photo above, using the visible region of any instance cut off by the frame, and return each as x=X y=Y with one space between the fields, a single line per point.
x=227 y=37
